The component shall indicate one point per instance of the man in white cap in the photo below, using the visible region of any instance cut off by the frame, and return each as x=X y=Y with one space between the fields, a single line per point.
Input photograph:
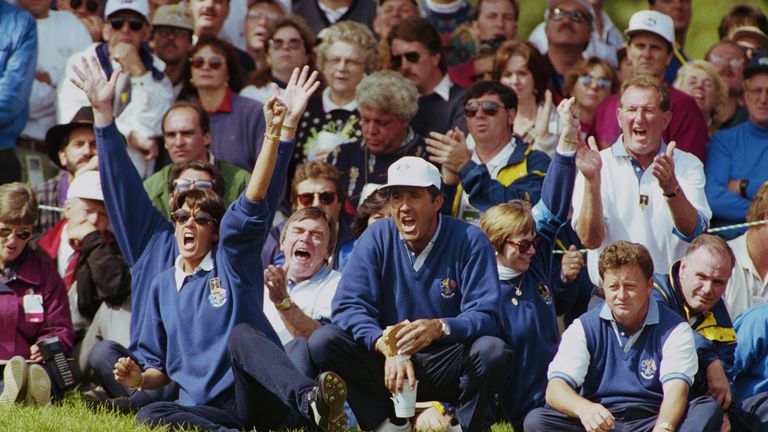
x=143 y=93
x=432 y=276
x=680 y=11
x=650 y=49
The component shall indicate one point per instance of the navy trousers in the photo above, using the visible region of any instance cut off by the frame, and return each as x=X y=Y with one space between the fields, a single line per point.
x=750 y=415
x=703 y=415
x=468 y=374
x=270 y=393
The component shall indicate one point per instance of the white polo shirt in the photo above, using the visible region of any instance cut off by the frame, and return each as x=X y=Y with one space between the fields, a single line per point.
x=747 y=287
x=635 y=209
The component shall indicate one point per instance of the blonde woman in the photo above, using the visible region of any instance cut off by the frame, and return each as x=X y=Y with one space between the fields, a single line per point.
x=700 y=80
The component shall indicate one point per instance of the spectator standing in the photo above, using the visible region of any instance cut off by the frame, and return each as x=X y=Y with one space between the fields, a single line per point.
x=172 y=27
x=589 y=82
x=89 y=12
x=729 y=60
x=262 y=14
x=209 y=21
x=680 y=11
x=493 y=21
x=701 y=81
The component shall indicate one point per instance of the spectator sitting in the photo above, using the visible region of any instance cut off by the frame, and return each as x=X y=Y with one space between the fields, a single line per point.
x=237 y=123
x=172 y=27
x=210 y=16
x=89 y=12
x=693 y=290
x=33 y=301
x=500 y=168
x=494 y=21
x=589 y=82
x=187 y=136
x=387 y=103
x=390 y=13
x=416 y=52
x=72 y=146
x=729 y=60
x=628 y=354
x=742 y=14
x=700 y=80
x=738 y=161
x=624 y=71
x=262 y=14
x=479 y=68
x=145 y=92
x=748 y=284
x=373 y=207
x=680 y=11
x=750 y=39
x=315 y=184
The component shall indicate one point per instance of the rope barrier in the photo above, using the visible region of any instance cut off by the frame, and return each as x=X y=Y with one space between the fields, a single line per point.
x=51 y=208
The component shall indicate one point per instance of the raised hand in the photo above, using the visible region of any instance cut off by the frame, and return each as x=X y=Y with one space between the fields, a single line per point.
x=276 y=281
x=300 y=88
x=569 y=120
x=541 y=126
x=97 y=89
x=571 y=264
x=588 y=159
x=274 y=114
x=664 y=170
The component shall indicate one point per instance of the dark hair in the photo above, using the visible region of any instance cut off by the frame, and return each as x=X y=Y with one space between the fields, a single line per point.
x=479 y=5
x=621 y=54
x=650 y=82
x=219 y=184
x=583 y=67
x=417 y=29
x=312 y=170
x=263 y=75
x=314 y=213
x=234 y=70
x=372 y=205
x=202 y=116
x=204 y=200
x=506 y=94
x=624 y=253
x=742 y=14
x=534 y=61
x=712 y=242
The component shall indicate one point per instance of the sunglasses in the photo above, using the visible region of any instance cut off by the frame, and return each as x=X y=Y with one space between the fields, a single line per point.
x=735 y=63
x=292 y=44
x=587 y=80
x=20 y=234
x=397 y=60
x=135 y=24
x=91 y=6
x=577 y=16
x=182 y=185
x=490 y=108
x=326 y=198
x=524 y=246
x=214 y=62
x=258 y=16
x=181 y=216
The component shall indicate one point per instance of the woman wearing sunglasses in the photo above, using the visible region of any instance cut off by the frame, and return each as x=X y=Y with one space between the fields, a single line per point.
x=589 y=82
x=33 y=301
x=237 y=125
x=524 y=239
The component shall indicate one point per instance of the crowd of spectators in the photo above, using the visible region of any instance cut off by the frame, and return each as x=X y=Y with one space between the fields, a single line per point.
x=264 y=215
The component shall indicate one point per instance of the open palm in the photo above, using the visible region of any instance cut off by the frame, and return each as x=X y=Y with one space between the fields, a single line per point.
x=91 y=81
x=588 y=159
x=300 y=88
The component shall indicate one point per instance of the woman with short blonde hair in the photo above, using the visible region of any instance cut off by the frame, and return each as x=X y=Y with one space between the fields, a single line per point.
x=700 y=80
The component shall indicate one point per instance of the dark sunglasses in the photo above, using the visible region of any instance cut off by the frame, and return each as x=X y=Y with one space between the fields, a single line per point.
x=489 y=108
x=91 y=6
x=326 y=198
x=291 y=44
x=587 y=80
x=214 y=62
x=524 y=246
x=135 y=24
x=20 y=234
x=577 y=16
x=181 y=216
x=397 y=60
x=182 y=185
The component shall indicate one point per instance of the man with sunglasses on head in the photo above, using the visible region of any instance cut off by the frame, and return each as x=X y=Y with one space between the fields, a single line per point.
x=144 y=92
x=187 y=136
x=501 y=167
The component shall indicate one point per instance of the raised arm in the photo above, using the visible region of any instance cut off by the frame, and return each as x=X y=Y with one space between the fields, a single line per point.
x=684 y=214
x=591 y=226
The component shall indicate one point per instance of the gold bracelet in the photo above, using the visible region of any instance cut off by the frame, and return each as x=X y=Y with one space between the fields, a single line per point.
x=271 y=137
x=289 y=128
x=568 y=141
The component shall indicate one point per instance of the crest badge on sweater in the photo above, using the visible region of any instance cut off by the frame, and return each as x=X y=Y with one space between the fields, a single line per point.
x=218 y=295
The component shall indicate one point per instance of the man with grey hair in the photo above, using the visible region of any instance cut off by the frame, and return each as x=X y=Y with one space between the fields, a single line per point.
x=387 y=103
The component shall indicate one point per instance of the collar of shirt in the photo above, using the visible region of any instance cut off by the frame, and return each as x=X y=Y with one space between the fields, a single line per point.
x=418 y=260
x=333 y=15
x=497 y=162
x=329 y=106
x=447 y=8
x=211 y=158
x=743 y=260
x=443 y=88
x=179 y=275
x=226 y=103
x=618 y=150
x=323 y=272
x=65 y=251
x=651 y=318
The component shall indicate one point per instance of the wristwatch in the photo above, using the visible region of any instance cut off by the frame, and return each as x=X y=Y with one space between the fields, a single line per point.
x=284 y=305
x=445 y=329
x=666 y=426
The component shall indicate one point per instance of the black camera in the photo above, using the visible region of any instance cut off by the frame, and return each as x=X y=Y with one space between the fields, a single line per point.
x=56 y=363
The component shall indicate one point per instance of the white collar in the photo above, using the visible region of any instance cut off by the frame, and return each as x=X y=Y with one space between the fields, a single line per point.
x=501 y=157
x=179 y=274
x=447 y=8
x=443 y=88
x=329 y=106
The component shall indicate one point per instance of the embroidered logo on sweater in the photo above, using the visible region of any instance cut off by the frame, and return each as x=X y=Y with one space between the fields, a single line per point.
x=544 y=293
x=218 y=296
x=448 y=287
x=648 y=368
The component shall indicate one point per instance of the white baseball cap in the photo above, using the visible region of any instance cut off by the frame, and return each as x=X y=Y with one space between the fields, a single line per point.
x=654 y=22
x=413 y=171
x=141 y=7
x=86 y=185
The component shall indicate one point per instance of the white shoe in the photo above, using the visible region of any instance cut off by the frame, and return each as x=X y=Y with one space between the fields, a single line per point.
x=15 y=378
x=454 y=427
x=39 y=391
x=388 y=426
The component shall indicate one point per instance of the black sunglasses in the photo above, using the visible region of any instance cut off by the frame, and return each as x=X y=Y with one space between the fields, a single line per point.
x=135 y=24
x=20 y=234
x=577 y=16
x=489 y=108
x=326 y=198
x=397 y=60
x=214 y=62
x=524 y=245
x=181 y=216
x=90 y=5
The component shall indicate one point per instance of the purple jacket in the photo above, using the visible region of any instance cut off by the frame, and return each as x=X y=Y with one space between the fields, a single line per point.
x=35 y=274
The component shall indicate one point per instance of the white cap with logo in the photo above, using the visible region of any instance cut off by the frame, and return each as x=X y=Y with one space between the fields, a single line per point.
x=413 y=171
x=141 y=7
x=86 y=185
x=654 y=22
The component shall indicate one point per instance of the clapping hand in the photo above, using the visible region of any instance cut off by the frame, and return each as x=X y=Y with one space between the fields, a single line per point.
x=276 y=281
x=664 y=170
x=588 y=159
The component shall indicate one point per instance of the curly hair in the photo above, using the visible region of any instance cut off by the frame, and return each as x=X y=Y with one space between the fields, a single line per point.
x=388 y=92
x=353 y=33
x=534 y=61
x=375 y=202
x=624 y=253
x=717 y=116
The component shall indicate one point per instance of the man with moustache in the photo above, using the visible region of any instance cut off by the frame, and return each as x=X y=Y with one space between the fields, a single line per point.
x=729 y=60
x=172 y=27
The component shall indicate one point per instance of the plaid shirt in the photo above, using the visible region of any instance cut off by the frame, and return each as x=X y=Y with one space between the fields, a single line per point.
x=51 y=193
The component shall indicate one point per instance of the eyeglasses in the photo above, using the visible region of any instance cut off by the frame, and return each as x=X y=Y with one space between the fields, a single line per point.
x=397 y=60
x=182 y=185
x=735 y=63
x=181 y=216
x=326 y=198
x=490 y=108
x=587 y=80
x=20 y=234
x=258 y=16
x=171 y=31
x=577 y=16
x=135 y=24
x=91 y=6
x=214 y=62
x=524 y=246
x=336 y=61
x=291 y=44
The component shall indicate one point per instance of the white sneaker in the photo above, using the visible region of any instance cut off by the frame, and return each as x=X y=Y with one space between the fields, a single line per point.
x=15 y=378
x=39 y=391
x=454 y=427
x=388 y=426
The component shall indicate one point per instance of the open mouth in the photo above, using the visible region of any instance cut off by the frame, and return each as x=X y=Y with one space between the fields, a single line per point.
x=408 y=223
x=189 y=240
x=302 y=255
x=638 y=132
